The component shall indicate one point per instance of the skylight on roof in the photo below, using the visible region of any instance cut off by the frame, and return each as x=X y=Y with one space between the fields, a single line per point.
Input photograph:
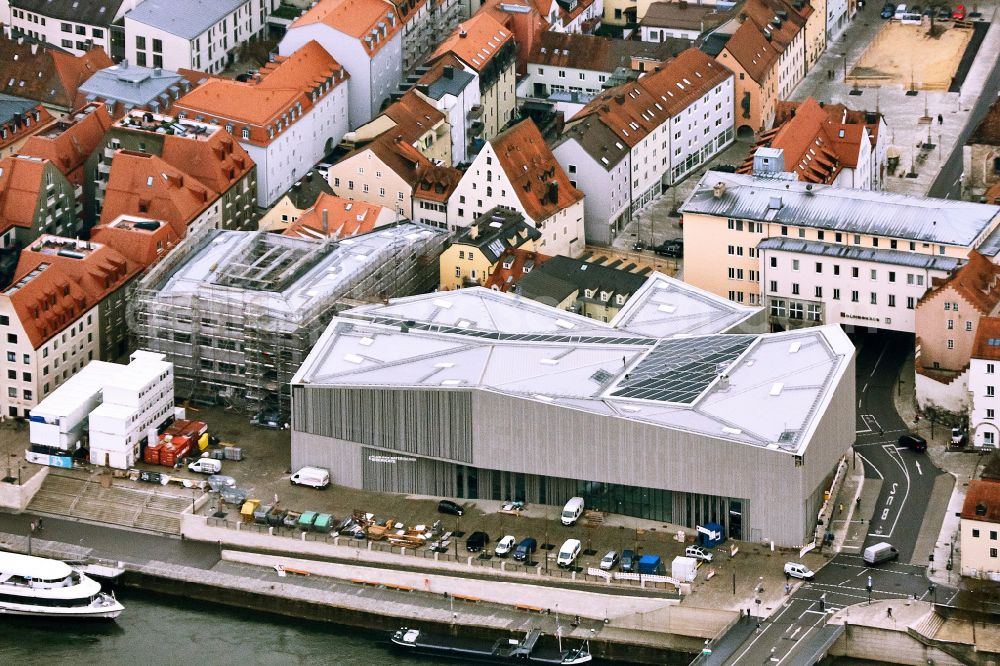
x=549 y=361
x=732 y=431
x=444 y=364
x=666 y=307
x=630 y=408
x=367 y=342
x=353 y=358
x=451 y=382
x=562 y=323
x=463 y=323
x=545 y=398
x=776 y=388
x=441 y=303
x=794 y=347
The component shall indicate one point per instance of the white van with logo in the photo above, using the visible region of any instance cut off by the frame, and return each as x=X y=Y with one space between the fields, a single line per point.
x=572 y=511
x=206 y=466
x=568 y=553
x=316 y=477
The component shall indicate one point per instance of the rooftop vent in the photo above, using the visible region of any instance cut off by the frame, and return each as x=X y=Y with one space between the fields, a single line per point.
x=774 y=203
x=718 y=189
x=980 y=509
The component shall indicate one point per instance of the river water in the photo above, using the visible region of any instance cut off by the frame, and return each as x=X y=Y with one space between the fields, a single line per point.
x=156 y=630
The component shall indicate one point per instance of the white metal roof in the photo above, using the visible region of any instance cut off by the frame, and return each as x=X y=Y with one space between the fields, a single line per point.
x=850 y=210
x=521 y=350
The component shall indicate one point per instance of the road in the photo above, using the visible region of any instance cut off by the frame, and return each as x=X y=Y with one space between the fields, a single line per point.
x=948 y=185
x=798 y=633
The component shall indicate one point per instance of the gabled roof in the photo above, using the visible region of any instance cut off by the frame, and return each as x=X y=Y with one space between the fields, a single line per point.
x=52 y=288
x=21 y=117
x=184 y=18
x=684 y=15
x=21 y=183
x=538 y=180
x=145 y=185
x=333 y=216
x=511 y=266
x=260 y=104
x=754 y=53
x=436 y=183
x=631 y=111
x=44 y=73
x=978 y=282
x=496 y=231
x=764 y=34
x=92 y=12
x=413 y=116
x=590 y=52
x=987 y=343
x=70 y=141
x=217 y=162
x=405 y=161
x=140 y=240
x=373 y=22
x=475 y=41
x=132 y=86
x=445 y=76
x=982 y=501
x=582 y=275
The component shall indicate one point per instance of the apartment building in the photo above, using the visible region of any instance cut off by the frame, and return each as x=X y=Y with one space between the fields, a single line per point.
x=680 y=20
x=69 y=142
x=412 y=119
x=65 y=308
x=333 y=217
x=735 y=224
x=35 y=199
x=984 y=399
x=302 y=195
x=487 y=48
x=590 y=288
x=190 y=34
x=767 y=55
x=517 y=170
x=114 y=408
x=454 y=90
x=47 y=75
x=211 y=177
x=631 y=142
x=826 y=143
x=19 y=119
x=980 y=530
x=292 y=114
x=477 y=250
x=365 y=38
x=71 y=25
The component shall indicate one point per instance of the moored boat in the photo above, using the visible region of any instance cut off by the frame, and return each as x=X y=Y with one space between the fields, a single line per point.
x=38 y=586
x=501 y=651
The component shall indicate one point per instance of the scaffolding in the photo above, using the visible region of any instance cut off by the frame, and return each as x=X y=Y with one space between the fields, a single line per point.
x=238 y=312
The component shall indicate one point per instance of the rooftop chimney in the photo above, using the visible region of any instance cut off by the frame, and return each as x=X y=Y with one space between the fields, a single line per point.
x=326 y=223
x=474 y=231
x=449 y=72
x=462 y=34
x=718 y=190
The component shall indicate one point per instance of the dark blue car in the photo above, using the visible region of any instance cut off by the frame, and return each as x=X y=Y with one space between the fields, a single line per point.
x=888 y=11
x=628 y=561
x=525 y=549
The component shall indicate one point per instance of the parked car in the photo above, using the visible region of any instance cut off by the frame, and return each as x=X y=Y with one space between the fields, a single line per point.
x=477 y=541
x=206 y=466
x=944 y=13
x=958 y=438
x=639 y=246
x=698 y=553
x=525 y=549
x=568 y=553
x=316 y=477
x=451 y=508
x=609 y=560
x=888 y=10
x=670 y=248
x=798 y=570
x=958 y=13
x=505 y=546
x=629 y=561
x=267 y=418
x=911 y=441
x=900 y=12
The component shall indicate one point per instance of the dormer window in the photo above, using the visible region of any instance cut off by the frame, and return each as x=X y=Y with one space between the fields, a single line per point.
x=604 y=295
x=246 y=133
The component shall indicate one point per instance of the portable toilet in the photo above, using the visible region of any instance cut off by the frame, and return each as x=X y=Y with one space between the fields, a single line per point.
x=684 y=569
x=711 y=535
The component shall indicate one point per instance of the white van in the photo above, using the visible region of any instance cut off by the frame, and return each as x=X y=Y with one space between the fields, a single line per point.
x=879 y=553
x=317 y=477
x=206 y=466
x=900 y=12
x=572 y=511
x=568 y=553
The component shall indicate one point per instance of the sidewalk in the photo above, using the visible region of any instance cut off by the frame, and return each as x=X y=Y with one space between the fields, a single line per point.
x=848 y=524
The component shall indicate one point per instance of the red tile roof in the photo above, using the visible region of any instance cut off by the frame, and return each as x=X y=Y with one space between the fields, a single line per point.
x=984 y=496
x=39 y=119
x=413 y=116
x=373 y=22
x=71 y=140
x=987 y=342
x=260 y=104
x=21 y=186
x=343 y=218
x=145 y=185
x=977 y=281
x=46 y=74
x=505 y=279
x=143 y=246
x=436 y=183
x=475 y=41
x=539 y=181
x=51 y=291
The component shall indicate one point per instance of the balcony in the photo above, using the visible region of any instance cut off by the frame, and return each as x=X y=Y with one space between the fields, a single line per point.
x=475 y=129
x=475 y=113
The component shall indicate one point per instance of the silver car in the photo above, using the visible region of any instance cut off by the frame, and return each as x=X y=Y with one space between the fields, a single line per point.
x=609 y=561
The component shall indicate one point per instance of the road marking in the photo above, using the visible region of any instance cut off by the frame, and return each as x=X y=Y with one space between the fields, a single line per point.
x=919 y=470
x=797 y=630
x=872 y=466
x=760 y=635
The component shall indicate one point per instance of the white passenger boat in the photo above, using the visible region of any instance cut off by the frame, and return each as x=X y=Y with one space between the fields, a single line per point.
x=42 y=587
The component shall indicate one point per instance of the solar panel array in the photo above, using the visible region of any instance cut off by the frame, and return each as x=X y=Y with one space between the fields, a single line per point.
x=678 y=370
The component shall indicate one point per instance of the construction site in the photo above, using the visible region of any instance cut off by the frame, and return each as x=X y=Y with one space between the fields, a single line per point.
x=237 y=312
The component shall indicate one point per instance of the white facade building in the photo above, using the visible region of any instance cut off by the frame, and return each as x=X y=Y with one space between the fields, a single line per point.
x=632 y=141
x=517 y=170
x=69 y=24
x=365 y=37
x=807 y=283
x=191 y=34
x=121 y=405
x=454 y=90
x=983 y=384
